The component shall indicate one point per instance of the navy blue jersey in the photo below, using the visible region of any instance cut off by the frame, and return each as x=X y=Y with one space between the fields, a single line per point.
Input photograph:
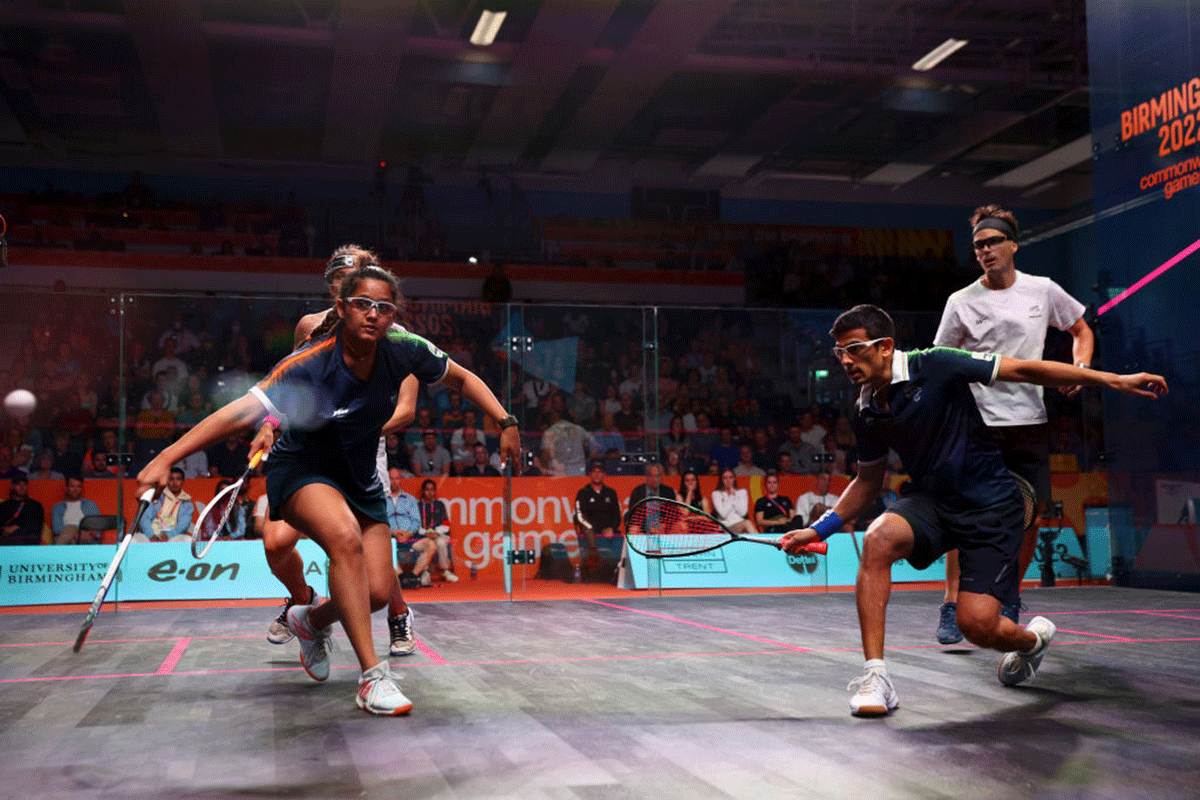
x=332 y=419
x=932 y=421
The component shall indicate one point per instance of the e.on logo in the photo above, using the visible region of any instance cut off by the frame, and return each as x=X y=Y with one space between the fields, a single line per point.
x=169 y=570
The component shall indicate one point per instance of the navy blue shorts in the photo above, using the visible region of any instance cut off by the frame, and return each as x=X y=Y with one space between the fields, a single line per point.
x=988 y=541
x=284 y=479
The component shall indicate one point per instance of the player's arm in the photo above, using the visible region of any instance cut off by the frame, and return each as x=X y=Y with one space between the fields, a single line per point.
x=1056 y=373
x=854 y=500
x=1083 y=344
x=406 y=406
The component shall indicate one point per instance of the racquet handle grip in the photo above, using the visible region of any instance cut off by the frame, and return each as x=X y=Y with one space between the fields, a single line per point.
x=147 y=496
x=820 y=548
x=257 y=457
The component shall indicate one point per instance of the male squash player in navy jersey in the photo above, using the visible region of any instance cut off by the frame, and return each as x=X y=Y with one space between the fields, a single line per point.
x=919 y=403
x=1008 y=312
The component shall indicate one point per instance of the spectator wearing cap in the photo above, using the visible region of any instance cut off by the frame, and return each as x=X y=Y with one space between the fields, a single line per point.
x=21 y=517
x=597 y=508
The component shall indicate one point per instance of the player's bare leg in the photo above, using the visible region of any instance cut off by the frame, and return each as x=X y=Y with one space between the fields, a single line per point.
x=889 y=539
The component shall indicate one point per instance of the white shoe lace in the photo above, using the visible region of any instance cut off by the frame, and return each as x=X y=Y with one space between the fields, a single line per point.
x=865 y=684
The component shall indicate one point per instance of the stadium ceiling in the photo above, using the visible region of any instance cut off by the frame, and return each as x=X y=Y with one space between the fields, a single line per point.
x=757 y=98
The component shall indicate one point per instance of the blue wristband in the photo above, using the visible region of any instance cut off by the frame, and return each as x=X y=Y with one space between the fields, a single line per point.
x=829 y=524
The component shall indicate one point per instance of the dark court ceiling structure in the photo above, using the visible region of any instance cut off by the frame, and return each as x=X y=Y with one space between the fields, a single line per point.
x=811 y=100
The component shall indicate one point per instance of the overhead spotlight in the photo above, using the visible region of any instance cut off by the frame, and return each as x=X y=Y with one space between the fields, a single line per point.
x=472 y=260
x=487 y=27
x=938 y=54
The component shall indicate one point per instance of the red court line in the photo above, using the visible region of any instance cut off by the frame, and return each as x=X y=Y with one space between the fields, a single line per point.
x=1102 y=635
x=168 y=664
x=563 y=659
x=1124 y=611
x=1168 y=616
x=705 y=627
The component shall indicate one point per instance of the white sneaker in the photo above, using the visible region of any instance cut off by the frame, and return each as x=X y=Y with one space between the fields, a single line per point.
x=314 y=650
x=278 y=631
x=1017 y=667
x=379 y=694
x=425 y=579
x=404 y=642
x=873 y=695
x=449 y=577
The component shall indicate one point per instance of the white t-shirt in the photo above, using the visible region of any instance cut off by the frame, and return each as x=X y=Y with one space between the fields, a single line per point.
x=1012 y=322
x=806 y=502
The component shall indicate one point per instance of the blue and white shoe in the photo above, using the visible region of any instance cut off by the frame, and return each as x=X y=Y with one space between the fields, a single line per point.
x=1017 y=667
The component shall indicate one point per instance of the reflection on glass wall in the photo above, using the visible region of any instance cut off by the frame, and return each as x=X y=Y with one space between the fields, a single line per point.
x=646 y=395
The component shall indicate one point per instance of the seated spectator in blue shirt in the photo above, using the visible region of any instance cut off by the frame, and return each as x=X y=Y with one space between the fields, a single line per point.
x=404 y=516
x=608 y=437
x=725 y=451
x=170 y=516
x=66 y=514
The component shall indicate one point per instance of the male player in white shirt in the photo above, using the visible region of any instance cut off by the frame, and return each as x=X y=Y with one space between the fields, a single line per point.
x=1008 y=312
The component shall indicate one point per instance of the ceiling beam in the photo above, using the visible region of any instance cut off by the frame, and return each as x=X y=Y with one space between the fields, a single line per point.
x=561 y=35
x=658 y=49
x=368 y=45
x=170 y=42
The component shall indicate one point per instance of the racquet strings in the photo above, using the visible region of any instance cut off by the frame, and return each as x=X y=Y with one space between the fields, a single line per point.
x=669 y=528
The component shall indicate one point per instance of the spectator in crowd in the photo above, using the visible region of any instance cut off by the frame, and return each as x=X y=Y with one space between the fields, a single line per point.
x=801 y=452
x=193 y=410
x=171 y=361
x=612 y=400
x=195 y=465
x=398 y=456
x=162 y=387
x=228 y=459
x=240 y=524
x=765 y=452
x=21 y=517
x=812 y=431
x=431 y=459
x=608 y=437
x=98 y=468
x=462 y=443
x=21 y=448
x=812 y=504
x=581 y=406
x=676 y=439
x=653 y=486
x=8 y=471
x=725 y=451
x=435 y=532
x=480 y=466
x=404 y=515
x=66 y=514
x=170 y=516
x=497 y=288
x=774 y=513
x=690 y=494
x=746 y=468
x=703 y=438
x=597 y=510
x=731 y=505
x=414 y=437
x=67 y=457
x=673 y=464
x=628 y=420
x=566 y=447
x=452 y=414
x=43 y=468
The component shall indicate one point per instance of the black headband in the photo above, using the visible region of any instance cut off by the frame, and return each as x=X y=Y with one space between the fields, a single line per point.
x=339 y=263
x=995 y=223
x=343 y=262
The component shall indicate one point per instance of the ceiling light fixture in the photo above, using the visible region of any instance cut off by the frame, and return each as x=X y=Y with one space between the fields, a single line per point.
x=938 y=54
x=487 y=27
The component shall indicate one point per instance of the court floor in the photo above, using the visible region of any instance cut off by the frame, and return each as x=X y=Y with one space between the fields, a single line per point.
x=641 y=696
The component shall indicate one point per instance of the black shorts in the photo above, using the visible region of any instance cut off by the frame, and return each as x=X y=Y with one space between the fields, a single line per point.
x=1026 y=451
x=988 y=542
x=285 y=477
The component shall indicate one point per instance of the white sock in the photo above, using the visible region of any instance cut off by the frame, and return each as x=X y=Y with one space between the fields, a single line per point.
x=877 y=665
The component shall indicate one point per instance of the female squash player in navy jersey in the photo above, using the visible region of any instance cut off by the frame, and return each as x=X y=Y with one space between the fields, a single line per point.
x=332 y=398
x=279 y=538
